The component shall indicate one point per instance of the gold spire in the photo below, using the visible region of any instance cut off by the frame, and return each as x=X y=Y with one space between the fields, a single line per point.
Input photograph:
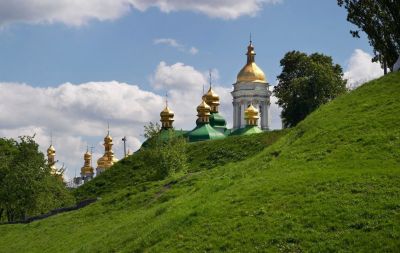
x=167 y=116
x=251 y=116
x=203 y=112
x=211 y=98
x=251 y=72
x=108 y=159
x=87 y=169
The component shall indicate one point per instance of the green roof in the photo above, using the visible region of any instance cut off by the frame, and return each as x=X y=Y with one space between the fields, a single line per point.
x=165 y=134
x=247 y=130
x=204 y=132
x=218 y=122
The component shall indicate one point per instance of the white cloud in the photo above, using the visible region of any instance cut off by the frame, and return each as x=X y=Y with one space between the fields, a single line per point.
x=175 y=44
x=79 y=12
x=361 y=69
x=77 y=115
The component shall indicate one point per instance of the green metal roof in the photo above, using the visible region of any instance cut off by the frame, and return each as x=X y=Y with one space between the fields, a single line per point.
x=218 y=122
x=247 y=130
x=204 y=132
x=165 y=134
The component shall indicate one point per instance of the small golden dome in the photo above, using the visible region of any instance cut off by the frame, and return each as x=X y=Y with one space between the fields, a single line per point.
x=251 y=115
x=87 y=155
x=51 y=149
x=203 y=112
x=251 y=72
x=167 y=117
x=203 y=108
x=108 y=138
x=167 y=112
x=212 y=99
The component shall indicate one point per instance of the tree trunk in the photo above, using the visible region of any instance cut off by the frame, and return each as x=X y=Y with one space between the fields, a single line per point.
x=1 y=213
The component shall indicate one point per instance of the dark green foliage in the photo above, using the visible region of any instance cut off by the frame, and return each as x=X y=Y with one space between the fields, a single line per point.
x=165 y=156
x=380 y=20
x=26 y=185
x=330 y=184
x=306 y=82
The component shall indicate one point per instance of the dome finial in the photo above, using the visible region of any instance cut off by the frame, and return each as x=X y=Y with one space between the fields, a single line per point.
x=250 y=39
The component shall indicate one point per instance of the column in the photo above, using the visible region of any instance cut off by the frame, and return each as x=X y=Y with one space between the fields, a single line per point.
x=242 y=109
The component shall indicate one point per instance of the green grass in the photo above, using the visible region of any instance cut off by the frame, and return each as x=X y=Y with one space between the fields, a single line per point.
x=133 y=171
x=329 y=185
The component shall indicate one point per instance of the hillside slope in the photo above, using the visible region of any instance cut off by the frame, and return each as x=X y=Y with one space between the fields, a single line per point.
x=330 y=184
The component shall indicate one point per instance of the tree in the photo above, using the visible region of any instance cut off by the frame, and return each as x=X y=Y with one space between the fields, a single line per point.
x=306 y=82
x=380 y=20
x=164 y=150
x=27 y=186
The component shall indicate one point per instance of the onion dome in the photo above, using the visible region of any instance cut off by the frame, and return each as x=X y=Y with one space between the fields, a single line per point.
x=203 y=112
x=87 y=170
x=51 y=149
x=251 y=72
x=108 y=138
x=108 y=159
x=167 y=117
x=212 y=99
x=51 y=154
x=251 y=116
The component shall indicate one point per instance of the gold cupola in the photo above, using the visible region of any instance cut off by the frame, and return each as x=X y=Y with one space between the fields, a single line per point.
x=203 y=112
x=251 y=116
x=251 y=72
x=108 y=159
x=87 y=169
x=212 y=99
x=51 y=155
x=167 y=117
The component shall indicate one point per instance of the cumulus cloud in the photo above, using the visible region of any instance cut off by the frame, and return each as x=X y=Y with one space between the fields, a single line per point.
x=79 y=12
x=175 y=44
x=77 y=115
x=361 y=69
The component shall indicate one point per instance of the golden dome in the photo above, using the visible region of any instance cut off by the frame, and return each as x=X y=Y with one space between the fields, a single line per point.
x=251 y=115
x=87 y=155
x=167 y=117
x=167 y=112
x=108 y=159
x=212 y=99
x=51 y=149
x=108 y=138
x=251 y=72
x=203 y=112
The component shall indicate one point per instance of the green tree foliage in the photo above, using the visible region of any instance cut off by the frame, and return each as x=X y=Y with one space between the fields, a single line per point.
x=26 y=185
x=307 y=82
x=165 y=151
x=380 y=20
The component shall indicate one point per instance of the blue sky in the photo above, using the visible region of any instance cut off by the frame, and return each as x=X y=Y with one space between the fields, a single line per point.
x=123 y=49
x=71 y=67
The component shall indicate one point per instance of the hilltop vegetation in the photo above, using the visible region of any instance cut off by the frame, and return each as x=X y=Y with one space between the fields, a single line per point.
x=330 y=184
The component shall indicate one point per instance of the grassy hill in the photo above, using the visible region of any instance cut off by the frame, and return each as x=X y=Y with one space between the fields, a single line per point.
x=330 y=184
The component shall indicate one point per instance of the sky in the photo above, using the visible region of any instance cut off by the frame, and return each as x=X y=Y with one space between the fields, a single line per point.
x=68 y=68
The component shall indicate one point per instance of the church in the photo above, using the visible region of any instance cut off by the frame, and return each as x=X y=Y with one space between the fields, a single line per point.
x=251 y=103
